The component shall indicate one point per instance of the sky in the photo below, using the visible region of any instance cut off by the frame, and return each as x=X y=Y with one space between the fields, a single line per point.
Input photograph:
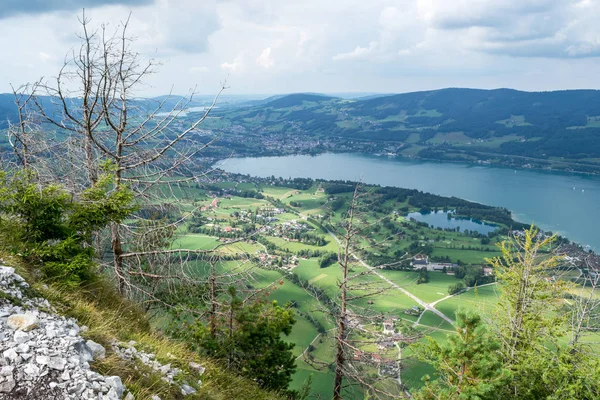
x=328 y=46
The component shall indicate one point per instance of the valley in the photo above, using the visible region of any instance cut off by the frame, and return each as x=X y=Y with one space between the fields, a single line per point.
x=282 y=231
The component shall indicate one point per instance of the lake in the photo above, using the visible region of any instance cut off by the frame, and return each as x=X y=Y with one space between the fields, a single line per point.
x=444 y=219
x=558 y=202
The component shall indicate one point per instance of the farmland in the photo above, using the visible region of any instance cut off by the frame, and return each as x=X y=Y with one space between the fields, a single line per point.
x=279 y=232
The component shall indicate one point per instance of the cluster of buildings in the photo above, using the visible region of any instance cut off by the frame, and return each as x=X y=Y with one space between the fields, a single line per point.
x=422 y=260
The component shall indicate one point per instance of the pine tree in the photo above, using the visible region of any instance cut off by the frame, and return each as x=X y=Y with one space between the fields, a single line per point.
x=469 y=364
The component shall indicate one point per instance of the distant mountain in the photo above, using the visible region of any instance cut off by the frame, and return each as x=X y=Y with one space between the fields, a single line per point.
x=297 y=99
x=501 y=121
x=7 y=109
x=357 y=95
x=453 y=123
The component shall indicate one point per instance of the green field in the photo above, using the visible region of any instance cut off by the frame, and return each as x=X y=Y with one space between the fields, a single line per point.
x=435 y=289
x=241 y=213
x=482 y=300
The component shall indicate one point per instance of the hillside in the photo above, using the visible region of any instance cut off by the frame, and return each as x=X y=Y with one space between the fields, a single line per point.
x=60 y=343
x=451 y=124
x=559 y=130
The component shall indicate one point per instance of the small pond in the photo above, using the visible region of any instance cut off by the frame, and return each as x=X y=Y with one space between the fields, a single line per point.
x=446 y=219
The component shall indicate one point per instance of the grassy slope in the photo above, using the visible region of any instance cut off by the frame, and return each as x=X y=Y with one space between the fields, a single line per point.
x=110 y=317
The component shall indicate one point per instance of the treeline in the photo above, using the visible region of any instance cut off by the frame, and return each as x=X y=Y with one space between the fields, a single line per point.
x=327 y=259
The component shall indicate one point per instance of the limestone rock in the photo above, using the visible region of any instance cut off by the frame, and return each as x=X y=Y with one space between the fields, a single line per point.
x=21 y=337
x=57 y=363
x=84 y=351
x=24 y=322
x=186 y=390
x=116 y=383
x=8 y=386
x=98 y=351
x=6 y=271
x=197 y=367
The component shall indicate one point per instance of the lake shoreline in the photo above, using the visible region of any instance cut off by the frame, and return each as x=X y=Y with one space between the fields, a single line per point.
x=532 y=196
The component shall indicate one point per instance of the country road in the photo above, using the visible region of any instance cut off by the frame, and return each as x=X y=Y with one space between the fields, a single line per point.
x=425 y=305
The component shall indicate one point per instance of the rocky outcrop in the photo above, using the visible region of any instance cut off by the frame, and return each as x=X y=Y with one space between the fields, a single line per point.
x=42 y=354
x=128 y=351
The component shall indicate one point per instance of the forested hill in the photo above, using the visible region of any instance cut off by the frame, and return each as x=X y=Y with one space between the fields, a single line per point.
x=559 y=129
x=502 y=121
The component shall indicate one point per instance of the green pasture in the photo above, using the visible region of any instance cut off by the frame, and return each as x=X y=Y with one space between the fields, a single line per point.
x=435 y=289
x=482 y=300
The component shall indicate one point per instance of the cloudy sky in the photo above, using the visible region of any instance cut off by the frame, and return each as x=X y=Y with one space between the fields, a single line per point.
x=284 y=46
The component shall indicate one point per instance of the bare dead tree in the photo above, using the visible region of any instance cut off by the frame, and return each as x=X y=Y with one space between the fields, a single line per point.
x=355 y=322
x=585 y=305
x=144 y=146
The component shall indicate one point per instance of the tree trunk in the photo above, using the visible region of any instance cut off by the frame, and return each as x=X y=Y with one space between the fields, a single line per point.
x=117 y=260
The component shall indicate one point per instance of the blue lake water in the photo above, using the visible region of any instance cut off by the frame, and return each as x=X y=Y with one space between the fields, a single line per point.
x=440 y=219
x=559 y=202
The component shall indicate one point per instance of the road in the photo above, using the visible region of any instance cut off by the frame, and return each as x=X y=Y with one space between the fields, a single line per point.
x=466 y=290
x=423 y=304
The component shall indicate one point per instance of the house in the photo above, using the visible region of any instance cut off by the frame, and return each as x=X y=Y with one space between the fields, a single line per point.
x=388 y=327
x=488 y=271
x=440 y=266
x=419 y=260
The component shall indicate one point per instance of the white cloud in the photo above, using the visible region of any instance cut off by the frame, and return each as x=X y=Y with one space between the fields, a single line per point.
x=44 y=57
x=315 y=45
x=234 y=66
x=356 y=54
x=264 y=59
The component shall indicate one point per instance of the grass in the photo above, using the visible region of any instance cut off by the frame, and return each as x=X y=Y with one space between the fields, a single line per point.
x=297 y=246
x=435 y=289
x=435 y=321
x=109 y=317
x=450 y=137
x=482 y=300
x=195 y=242
x=466 y=256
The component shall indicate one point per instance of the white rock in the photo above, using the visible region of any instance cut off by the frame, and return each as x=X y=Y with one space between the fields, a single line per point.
x=98 y=351
x=165 y=369
x=187 y=390
x=155 y=397
x=111 y=395
x=57 y=363
x=42 y=360
x=21 y=337
x=7 y=370
x=24 y=322
x=6 y=387
x=65 y=376
x=23 y=348
x=6 y=271
x=197 y=367
x=129 y=396
x=116 y=383
x=10 y=354
x=32 y=370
